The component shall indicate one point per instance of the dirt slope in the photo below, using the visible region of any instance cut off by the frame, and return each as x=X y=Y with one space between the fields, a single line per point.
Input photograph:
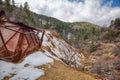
x=59 y=71
x=60 y=49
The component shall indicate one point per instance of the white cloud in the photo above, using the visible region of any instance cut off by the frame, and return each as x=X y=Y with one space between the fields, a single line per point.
x=90 y=10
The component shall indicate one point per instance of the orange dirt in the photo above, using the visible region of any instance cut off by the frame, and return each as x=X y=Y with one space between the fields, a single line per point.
x=59 y=71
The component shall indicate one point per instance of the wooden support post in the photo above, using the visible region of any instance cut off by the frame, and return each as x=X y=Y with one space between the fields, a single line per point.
x=42 y=38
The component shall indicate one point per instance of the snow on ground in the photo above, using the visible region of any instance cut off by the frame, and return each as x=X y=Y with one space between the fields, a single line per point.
x=23 y=72
x=59 y=48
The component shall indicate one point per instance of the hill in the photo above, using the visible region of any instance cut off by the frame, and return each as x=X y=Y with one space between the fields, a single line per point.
x=79 y=25
x=67 y=30
x=50 y=62
x=101 y=43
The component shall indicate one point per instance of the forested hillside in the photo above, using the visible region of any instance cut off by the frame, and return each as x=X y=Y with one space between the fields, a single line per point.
x=74 y=33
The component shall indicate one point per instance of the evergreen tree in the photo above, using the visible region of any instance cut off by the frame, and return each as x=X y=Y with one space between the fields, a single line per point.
x=29 y=15
x=26 y=7
x=117 y=23
x=1 y=2
x=13 y=2
x=7 y=2
x=21 y=8
x=8 y=5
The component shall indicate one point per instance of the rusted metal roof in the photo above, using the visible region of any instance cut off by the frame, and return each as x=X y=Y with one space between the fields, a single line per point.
x=18 y=40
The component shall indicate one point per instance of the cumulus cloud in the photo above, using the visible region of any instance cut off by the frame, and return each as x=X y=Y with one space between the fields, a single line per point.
x=74 y=11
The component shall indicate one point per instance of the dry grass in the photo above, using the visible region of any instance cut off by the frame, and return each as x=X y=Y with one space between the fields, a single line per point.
x=61 y=72
x=85 y=54
x=55 y=34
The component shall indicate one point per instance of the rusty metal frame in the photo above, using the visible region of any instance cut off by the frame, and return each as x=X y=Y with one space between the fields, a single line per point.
x=35 y=38
x=18 y=47
x=42 y=38
x=38 y=37
x=3 y=41
x=36 y=41
x=32 y=39
x=12 y=36
x=13 y=30
x=27 y=42
x=33 y=43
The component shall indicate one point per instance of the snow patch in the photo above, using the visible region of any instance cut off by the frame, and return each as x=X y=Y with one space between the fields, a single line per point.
x=22 y=72
x=37 y=59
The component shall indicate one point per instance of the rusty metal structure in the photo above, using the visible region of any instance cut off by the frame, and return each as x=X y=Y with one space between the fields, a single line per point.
x=18 y=40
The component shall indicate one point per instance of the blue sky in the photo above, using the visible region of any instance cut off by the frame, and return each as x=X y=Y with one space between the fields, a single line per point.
x=100 y=12
x=115 y=3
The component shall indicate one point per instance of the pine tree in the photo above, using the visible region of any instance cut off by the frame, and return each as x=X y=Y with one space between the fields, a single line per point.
x=117 y=23
x=13 y=2
x=21 y=7
x=8 y=5
x=26 y=6
x=29 y=17
x=1 y=2
x=7 y=2
x=26 y=9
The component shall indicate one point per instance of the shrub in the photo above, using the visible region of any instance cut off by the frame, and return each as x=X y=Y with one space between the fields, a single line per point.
x=110 y=35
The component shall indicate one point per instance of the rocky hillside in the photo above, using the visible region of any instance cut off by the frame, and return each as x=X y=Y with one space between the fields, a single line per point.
x=105 y=52
x=58 y=48
x=106 y=60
